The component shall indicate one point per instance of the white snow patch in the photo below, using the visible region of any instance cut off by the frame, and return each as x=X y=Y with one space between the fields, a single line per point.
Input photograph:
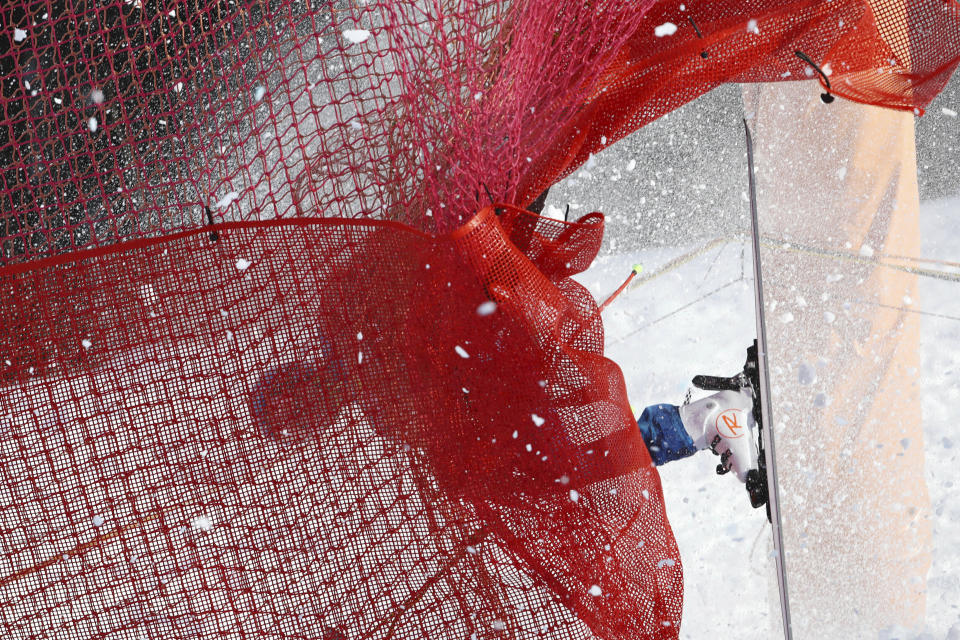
x=866 y=251
x=631 y=165
x=227 y=200
x=98 y=521
x=537 y=420
x=461 y=352
x=19 y=35
x=752 y=27
x=665 y=29
x=666 y=562
x=97 y=96
x=948 y=112
x=356 y=36
x=92 y=124
x=258 y=93
x=86 y=343
x=574 y=495
x=202 y=523
x=595 y=591
x=243 y=264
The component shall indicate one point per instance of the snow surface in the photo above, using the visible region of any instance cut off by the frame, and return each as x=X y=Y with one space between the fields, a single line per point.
x=699 y=318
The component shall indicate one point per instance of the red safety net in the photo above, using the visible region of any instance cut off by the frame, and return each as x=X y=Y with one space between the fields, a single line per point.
x=266 y=371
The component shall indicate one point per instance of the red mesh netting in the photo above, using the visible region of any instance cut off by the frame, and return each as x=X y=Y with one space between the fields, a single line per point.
x=224 y=416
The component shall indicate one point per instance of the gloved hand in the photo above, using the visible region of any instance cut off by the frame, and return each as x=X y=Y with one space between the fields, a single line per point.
x=723 y=422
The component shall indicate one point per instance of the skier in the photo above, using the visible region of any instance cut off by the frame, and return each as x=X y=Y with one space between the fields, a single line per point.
x=722 y=422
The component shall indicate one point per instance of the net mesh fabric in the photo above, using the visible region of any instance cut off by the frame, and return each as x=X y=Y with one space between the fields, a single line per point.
x=275 y=452
x=266 y=370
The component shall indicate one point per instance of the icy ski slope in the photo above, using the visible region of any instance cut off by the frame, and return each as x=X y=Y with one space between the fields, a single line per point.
x=698 y=318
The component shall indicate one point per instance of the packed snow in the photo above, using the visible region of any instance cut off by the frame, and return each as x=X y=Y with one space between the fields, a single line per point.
x=697 y=318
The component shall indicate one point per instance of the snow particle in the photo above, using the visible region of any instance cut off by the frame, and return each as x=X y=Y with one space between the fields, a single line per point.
x=258 y=93
x=948 y=112
x=461 y=352
x=595 y=591
x=92 y=124
x=829 y=317
x=666 y=562
x=537 y=420
x=97 y=96
x=86 y=343
x=498 y=625
x=356 y=36
x=786 y=318
x=202 y=523
x=243 y=264
x=646 y=494
x=866 y=251
x=98 y=521
x=19 y=35
x=486 y=308
x=752 y=27
x=665 y=29
x=631 y=165
x=574 y=495
x=227 y=200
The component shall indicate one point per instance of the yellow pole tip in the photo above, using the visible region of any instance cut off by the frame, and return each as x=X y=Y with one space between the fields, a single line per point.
x=637 y=268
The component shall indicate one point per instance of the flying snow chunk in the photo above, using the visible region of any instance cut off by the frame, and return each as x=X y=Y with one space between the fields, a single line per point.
x=227 y=200
x=86 y=343
x=574 y=495
x=98 y=521
x=665 y=29
x=97 y=96
x=666 y=562
x=19 y=35
x=202 y=523
x=595 y=591
x=356 y=36
x=752 y=27
x=242 y=264
x=631 y=165
x=866 y=251
x=948 y=112
x=258 y=93
x=92 y=124
x=537 y=420
x=461 y=352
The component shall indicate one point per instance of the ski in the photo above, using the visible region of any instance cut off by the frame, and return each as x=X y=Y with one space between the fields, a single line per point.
x=763 y=378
